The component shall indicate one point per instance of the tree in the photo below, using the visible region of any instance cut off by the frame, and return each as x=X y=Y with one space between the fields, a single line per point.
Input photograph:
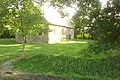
x=108 y=24
x=26 y=18
x=3 y=14
x=85 y=16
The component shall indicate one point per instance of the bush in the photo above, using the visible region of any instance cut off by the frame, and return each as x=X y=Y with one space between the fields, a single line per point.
x=6 y=34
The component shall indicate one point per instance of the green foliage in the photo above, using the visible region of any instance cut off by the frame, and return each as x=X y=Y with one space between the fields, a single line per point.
x=103 y=48
x=84 y=18
x=3 y=14
x=6 y=34
x=27 y=18
x=108 y=25
x=61 y=3
x=21 y=16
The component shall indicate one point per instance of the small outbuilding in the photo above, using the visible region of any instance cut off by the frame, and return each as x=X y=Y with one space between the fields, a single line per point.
x=58 y=31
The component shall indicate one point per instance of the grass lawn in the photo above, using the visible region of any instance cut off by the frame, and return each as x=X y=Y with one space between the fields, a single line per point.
x=8 y=49
x=64 y=59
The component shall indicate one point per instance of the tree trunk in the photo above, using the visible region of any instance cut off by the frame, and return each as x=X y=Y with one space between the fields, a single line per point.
x=83 y=34
x=23 y=47
x=22 y=55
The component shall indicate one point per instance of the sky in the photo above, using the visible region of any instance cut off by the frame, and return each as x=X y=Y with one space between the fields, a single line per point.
x=52 y=14
x=50 y=11
x=103 y=2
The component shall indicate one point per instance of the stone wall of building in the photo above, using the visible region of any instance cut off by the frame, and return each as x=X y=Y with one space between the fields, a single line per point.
x=33 y=38
x=37 y=38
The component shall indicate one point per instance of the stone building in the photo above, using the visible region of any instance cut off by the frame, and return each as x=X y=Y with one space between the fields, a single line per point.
x=58 y=31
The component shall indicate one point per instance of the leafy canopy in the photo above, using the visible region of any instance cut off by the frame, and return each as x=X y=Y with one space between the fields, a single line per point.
x=108 y=23
x=27 y=18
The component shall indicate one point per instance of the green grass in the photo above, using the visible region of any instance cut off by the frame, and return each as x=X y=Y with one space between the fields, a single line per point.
x=68 y=59
x=8 y=49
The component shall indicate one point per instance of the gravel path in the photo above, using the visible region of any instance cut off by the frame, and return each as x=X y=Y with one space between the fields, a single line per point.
x=7 y=73
x=6 y=68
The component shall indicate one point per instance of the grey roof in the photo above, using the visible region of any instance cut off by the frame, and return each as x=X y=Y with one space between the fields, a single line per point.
x=60 y=22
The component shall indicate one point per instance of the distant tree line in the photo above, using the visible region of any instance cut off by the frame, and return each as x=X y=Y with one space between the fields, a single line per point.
x=93 y=22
